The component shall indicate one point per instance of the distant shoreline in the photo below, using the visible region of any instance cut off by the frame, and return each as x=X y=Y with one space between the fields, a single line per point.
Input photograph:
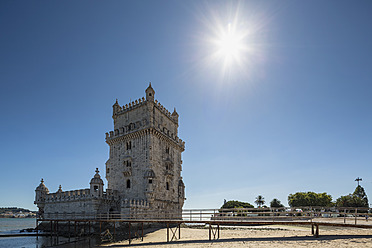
x=26 y=217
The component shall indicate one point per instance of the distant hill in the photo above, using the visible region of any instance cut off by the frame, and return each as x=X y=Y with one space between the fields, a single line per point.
x=14 y=212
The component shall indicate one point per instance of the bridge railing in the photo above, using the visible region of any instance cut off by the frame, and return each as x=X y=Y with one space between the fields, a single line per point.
x=329 y=214
x=278 y=214
x=132 y=215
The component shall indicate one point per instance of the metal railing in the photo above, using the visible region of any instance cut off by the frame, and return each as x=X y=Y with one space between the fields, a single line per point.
x=279 y=214
x=323 y=214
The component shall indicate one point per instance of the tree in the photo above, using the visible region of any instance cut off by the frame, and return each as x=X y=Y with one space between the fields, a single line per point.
x=275 y=203
x=358 y=199
x=236 y=204
x=260 y=200
x=302 y=199
x=361 y=194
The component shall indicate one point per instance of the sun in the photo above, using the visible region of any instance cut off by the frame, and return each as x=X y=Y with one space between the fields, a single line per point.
x=230 y=42
x=229 y=45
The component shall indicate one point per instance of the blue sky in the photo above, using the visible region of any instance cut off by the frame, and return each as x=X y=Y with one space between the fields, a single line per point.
x=291 y=113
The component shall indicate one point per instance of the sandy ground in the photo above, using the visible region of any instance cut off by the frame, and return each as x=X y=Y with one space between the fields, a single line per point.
x=263 y=236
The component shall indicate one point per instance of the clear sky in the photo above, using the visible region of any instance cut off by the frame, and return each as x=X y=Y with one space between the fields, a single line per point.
x=286 y=109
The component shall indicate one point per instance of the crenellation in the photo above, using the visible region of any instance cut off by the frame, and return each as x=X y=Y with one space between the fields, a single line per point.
x=112 y=138
x=131 y=105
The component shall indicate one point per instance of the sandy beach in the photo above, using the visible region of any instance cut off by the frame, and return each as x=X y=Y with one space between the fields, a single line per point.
x=263 y=236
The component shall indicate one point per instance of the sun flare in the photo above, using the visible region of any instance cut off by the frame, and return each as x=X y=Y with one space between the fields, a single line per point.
x=229 y=44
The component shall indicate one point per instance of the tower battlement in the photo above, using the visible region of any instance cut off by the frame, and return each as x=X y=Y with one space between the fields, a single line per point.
x=113 y=136
x=127 y=107
x=119 y=110
x=76 y=195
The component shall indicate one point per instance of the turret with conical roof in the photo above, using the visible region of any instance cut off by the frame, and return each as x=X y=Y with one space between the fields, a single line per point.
x=96 y=185
x=116 y=107
x=150 y=93
x=41 y=192
x=175 y=115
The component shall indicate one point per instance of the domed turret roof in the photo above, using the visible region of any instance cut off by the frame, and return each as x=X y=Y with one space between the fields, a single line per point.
x=97 y=178
x=149 y=173
x=150 y=93
x=42 y=186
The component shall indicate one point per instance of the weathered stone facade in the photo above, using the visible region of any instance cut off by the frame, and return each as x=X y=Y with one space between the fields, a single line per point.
x=143 y=170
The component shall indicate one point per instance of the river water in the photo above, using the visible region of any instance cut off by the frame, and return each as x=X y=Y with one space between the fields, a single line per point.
x=15 y=225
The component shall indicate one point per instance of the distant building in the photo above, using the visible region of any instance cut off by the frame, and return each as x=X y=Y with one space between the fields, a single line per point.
x=143 y=170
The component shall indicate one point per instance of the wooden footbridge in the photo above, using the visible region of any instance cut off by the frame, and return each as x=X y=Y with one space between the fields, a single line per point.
x=314 y=217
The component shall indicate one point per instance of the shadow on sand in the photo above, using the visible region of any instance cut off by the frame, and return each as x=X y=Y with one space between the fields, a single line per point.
x=296 y=238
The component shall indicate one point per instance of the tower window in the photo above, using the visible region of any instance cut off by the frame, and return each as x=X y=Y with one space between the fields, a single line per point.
x=150 y=181
x=128 y=184
x=167 y=185
x=95 y=188
x=129 y=145
x=129 y=163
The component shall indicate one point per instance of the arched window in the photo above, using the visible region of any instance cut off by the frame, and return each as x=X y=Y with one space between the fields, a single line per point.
x=128 y=184
x=128 y=163
x=167 y=185
x=129 y=145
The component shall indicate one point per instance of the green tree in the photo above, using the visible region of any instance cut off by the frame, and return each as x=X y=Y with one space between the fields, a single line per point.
x=301 y=199
x=361 y=194
x=275 y=203
x=237 y=204
x=357 y=199
x=260 y=200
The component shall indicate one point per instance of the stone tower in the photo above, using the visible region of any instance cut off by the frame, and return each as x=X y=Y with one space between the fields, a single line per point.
x=145 y=164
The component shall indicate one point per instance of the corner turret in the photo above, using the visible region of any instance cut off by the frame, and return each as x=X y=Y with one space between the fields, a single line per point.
x=40 y=196
x=41 y=192
x=175 y=116
x=96 y=185
x=116 y=108
x=150 y=93
x=59 y=191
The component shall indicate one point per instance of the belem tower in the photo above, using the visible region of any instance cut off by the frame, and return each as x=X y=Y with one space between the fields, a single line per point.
x=143 y=171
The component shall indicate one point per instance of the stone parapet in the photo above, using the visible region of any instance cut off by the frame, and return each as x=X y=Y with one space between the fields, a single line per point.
x=74 y=195
x=165 y=112
x=128 y=107
x=117 y=133
x=140 y=102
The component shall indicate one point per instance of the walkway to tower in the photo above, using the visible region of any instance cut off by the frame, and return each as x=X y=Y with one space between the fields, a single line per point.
x=213 y=219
